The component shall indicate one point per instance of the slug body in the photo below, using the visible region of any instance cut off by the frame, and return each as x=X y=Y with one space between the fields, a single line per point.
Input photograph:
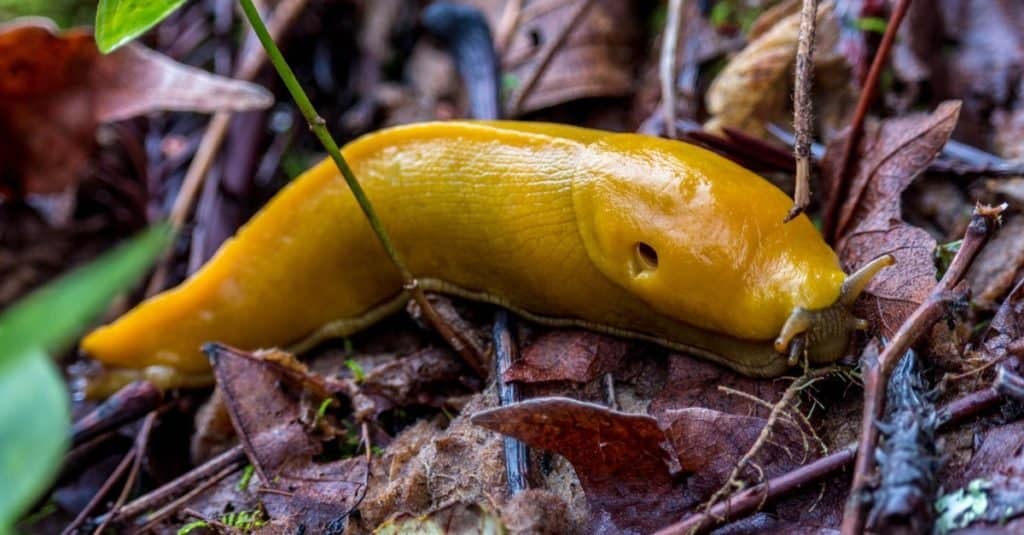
x=621 y=233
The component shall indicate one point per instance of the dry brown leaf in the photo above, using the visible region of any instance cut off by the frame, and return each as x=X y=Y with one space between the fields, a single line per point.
x=996 y=268
x=891 y=154
x=753 y=89
x=267 y=420
x=597 y=58
x=56 y=88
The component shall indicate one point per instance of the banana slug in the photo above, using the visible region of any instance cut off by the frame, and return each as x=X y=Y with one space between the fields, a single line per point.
x=626 y=234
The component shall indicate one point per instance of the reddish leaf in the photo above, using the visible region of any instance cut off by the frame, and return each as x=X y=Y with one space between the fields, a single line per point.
x=55 y=89
x=693 y=382
x=709 y=444
x=891 y=154
x=568 y=355
x=620 y=458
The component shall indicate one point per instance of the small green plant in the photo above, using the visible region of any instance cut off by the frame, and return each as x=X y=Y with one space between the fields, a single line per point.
x=357 y=370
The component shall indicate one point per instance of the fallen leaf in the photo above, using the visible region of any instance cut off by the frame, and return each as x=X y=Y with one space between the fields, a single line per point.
x=568 y=355
x=266 y=419
x=56 y=88
x=620 y=459
x=597 y=58
x=891 y=155
x=427 y=377
x=709 y=443
x=754 y=88
x=694 y=382
x=996 y=268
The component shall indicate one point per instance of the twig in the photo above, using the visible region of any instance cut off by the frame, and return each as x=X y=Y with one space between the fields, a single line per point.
x=127 y=404
x=516 y=465
x=319 y=128
x=230 y=459
x=876 y=376
x=667 y=65
x=803 y=108
x=140 y=448
x=155 y=518
x=833 y=228
x=214 y=523
x=777 y=411
x=517 y=99
x=100 y=494
x=249 y=66
x=749 y=500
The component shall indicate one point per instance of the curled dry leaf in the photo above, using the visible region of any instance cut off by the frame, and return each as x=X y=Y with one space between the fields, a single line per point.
x=753 y=89
x=56 y=88
x=568 y=355
x=266 y=419
x=891 y=154
x=998 y=264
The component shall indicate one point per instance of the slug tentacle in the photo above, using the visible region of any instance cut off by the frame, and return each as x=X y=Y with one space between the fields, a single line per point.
x=858 y=280
x=825 y=333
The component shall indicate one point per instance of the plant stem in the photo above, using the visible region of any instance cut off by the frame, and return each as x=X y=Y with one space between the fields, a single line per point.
x=319 y=128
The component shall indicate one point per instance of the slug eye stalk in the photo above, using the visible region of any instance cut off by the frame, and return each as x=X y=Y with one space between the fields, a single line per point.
x=824 y=333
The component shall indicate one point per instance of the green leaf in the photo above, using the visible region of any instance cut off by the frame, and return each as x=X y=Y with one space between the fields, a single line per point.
x=34 y=421
x=54 y=316
x=34 y=415
x=120 y=21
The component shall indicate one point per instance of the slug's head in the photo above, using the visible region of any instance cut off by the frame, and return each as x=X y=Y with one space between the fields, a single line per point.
x=824 y=334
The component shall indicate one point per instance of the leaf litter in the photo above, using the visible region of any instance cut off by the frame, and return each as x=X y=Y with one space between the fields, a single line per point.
x=681 y=423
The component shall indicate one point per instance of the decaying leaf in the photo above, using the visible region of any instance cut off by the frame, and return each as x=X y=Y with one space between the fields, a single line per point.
x=709 y=443
x=597 y=58
x=997 y=267
x=566 y=355
x=753 y=89
x=620 y=459
x=56 y=88
x=318 y=495
x=891 y=154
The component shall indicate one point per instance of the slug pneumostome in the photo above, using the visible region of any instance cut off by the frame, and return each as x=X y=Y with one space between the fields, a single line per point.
x=621 y=233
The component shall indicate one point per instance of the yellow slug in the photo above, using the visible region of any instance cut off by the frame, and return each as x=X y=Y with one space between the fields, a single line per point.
x=621 y=233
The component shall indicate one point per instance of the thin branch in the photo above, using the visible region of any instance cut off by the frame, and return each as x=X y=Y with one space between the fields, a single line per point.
x=319 y=128
x=140 y=448
x=777 y=411
x=231 y=459
x=667 y=65
x=518 y=98
x=834 y=228
x=803 y=108
x=876 y=376
x=747 y=501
